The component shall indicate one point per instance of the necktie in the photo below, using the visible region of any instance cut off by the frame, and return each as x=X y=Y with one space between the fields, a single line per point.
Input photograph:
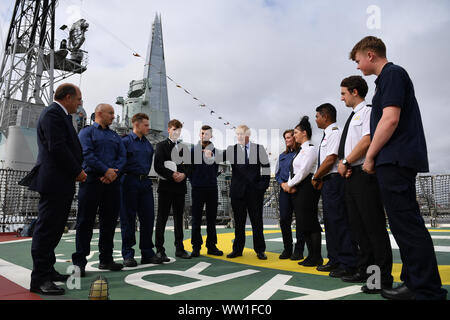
x=291 y=168
x=320 y=144
x=344 y=137
x=246 y=155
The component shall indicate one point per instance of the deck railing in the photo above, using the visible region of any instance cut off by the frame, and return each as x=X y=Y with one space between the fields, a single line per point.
x=18 y=205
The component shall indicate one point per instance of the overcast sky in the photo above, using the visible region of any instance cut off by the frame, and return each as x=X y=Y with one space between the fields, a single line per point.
x=263 y=63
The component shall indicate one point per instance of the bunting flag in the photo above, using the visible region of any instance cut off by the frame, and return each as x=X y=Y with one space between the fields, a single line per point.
x=137 y=55
x=202 y=104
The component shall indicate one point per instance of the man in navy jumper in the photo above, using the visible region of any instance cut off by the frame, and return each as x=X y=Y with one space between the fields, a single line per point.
x=204 y=191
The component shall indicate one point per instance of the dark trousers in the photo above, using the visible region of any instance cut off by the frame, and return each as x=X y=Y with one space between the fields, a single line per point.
x=341 y=247
x=200 y=197
x=53 y=211
x=137 y=199
x=251 y=203
x=167 y=200
x=96 y=197
x=286 y=210
x=368 y=223
x=419 y=271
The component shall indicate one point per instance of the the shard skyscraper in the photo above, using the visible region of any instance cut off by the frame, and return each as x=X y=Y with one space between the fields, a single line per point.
x=155 y=70
x=149 y=95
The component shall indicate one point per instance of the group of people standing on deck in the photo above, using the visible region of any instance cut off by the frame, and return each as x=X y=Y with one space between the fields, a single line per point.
x=362 y=171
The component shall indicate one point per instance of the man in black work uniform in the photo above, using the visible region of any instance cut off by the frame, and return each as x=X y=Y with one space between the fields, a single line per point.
x=362 y=194
x=204 y=192
x=397 y=153
x=171 y=189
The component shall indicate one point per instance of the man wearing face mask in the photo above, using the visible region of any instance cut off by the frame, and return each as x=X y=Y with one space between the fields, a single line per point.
x=171 y=188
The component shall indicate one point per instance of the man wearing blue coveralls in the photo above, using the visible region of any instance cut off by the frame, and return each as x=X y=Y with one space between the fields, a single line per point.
x=104 y=158
x=137 y=194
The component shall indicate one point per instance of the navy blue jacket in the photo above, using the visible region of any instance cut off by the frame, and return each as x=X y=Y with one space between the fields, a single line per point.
x=254 y=175
x=204 y=173
x=60 y=154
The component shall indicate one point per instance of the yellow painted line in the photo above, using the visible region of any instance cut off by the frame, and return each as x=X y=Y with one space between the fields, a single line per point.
x=225 y=243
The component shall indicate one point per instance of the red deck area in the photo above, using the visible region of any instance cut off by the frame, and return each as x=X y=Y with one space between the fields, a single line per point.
x=8 y=289
x=10 y=236
x=11 y=291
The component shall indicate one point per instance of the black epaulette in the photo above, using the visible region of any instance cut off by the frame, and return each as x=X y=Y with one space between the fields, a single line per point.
x=369 y=105
x=311 y=145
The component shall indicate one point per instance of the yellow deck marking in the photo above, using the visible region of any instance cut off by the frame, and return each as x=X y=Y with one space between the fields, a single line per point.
x=225 y=243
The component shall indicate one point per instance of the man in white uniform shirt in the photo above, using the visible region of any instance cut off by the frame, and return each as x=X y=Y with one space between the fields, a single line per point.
x=341 y=247
x=362 y=194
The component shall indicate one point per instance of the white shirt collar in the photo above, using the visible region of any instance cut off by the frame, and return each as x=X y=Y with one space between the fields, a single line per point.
x=359 y=106
x=329 y=128
x=306 y=143
x=62 y=107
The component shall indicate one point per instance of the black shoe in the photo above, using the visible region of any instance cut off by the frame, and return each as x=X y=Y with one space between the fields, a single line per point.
x=156 y=259
x=304 y=261
x=131 y=262
x=182 y=254
x=339 y=273
x=296 y=256
x=400 y=293
x=315 y=262
x=286 y=254
x=163 y=256
x=234 y=254
x=261 y=256
x=110 y=266
x=195 y=253
x=328 y=267
x=48 y=288
x=215 y=252
x=58 y=277
x=355 y=278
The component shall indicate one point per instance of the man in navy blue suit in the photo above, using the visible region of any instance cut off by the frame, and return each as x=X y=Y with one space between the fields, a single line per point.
x=58 y=167
x=249 y=181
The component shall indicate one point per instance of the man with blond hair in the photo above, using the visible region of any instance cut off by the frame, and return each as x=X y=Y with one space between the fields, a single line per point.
x=249 y=181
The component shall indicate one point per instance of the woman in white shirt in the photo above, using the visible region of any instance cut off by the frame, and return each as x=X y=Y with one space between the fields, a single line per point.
x=304 y=196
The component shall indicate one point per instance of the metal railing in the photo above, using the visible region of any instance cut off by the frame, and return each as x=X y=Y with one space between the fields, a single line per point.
x=18 y=205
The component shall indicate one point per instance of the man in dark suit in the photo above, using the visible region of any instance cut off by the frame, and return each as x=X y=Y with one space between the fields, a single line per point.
x=58 y=167
x=249 y=181
x=171 y=188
